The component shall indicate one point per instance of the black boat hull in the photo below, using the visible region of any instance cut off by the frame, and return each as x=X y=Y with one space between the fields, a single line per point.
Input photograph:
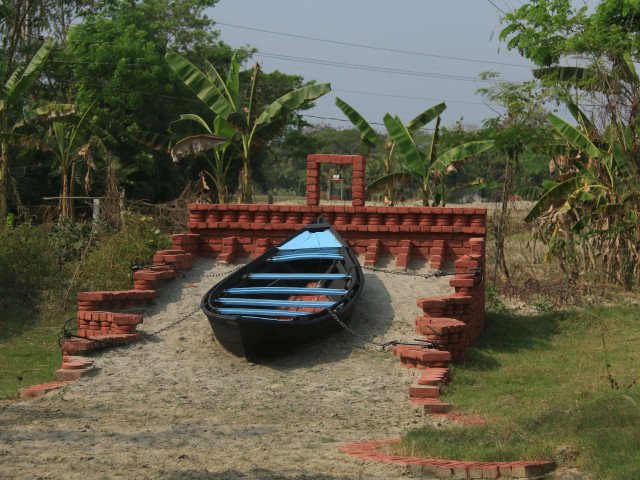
x=255 y=339
x=258 y=338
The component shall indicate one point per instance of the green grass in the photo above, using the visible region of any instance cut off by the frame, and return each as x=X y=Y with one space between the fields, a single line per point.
x=29 y=351
x=543 y=385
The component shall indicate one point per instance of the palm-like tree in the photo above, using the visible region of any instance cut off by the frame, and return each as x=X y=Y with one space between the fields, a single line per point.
x=16 y=113
x=242 y=115
x=428 y=168
x=70 y=143
x=370 y=139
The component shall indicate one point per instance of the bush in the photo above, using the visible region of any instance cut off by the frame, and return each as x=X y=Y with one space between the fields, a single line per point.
x=27 y=264
x=109 y=266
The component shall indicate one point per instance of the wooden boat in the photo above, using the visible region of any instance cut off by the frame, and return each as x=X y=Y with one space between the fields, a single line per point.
x=288 y=296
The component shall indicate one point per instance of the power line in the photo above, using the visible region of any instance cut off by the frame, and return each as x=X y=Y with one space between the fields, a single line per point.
x=375 y=94
x=372 y=47
x=372 y=68
x=198 y=101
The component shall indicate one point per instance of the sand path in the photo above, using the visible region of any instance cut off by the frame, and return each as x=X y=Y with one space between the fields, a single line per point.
x=178 y=406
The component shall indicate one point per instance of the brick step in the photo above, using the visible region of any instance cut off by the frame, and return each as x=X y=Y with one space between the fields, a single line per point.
x=72 y=374
x=76 y=364
x=180 y=258
x=424 y=391
x=431 y=405
x=110 y=317
x=117 y=295
x=38 y=390
x=434 y=376
x=440 y=326
x=75 y=346
x=420 y=354
x=155 y=273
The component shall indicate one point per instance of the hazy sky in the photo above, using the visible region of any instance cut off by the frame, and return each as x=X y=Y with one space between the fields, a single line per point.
x=465 y=29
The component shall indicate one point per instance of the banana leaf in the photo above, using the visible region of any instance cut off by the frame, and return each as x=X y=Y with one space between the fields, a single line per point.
x=461 y=152
x=581 y=118
x=19 y=85
x=389 y=179
x=155 y=141
x=579 y=77
x=197 y=81
x=292 y=101
x=195 y=118
x=572 y=135
x=264 y=133
x=426 y=117
x=367 y=134
x=558 y=193
x=405 y=144
x=194 y=145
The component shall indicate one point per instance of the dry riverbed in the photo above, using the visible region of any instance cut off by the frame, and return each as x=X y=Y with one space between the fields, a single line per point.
x=178 y=406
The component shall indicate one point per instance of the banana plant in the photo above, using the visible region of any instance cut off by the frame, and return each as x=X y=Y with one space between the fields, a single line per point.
x=16 y=113
x=370 y=139
x=596 y=180
x=595 y=202
x=429 y=169
x=254 y=126
x=70 y=143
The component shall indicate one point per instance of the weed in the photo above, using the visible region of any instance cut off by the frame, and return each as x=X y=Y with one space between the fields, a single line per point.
x=494 y=302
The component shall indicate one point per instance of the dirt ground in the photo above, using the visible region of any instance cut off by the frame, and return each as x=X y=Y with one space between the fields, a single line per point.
x=178 y=406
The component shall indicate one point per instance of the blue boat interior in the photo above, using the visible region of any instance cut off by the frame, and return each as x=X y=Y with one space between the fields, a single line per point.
x=306 y=275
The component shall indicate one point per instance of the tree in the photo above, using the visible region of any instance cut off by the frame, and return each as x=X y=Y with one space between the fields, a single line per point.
x=370 y=139
x=254 y=126
x=600 y=171
x=520 y=127
x=601 y=48
x=70 y=143
x=16 y=113
x=117 y=57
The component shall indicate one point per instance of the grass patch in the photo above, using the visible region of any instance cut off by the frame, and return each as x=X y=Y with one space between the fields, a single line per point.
x=563 y=386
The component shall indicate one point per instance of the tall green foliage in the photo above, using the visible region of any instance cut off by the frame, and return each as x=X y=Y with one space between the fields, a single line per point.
x=117 y=53
x=428 y=168
x=254 y=124
x=592 y=207
x=370 y=139
x=17 y=112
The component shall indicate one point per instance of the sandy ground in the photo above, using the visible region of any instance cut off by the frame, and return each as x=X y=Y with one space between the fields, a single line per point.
x=178 y=406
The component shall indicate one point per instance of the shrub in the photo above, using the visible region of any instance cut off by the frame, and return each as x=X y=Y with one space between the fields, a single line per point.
x=108 y=267
x=27 y=264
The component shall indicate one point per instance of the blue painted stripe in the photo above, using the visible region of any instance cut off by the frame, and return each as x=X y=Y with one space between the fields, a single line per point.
x=297 y=276
x=284 y=291
x=259 y=312
x=274 y=303
x=306 y=256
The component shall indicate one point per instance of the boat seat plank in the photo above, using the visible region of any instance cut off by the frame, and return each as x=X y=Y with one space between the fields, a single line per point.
x=298 y=276
x=260 y=312
x=274 y=303
x=306 y=256
x=284 y=291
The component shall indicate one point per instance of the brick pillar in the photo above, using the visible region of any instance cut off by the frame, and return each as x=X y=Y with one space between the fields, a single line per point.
x=357 y=182
x=313 y=182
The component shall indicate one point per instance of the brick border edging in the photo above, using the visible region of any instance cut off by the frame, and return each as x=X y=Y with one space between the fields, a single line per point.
x=440 y=468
